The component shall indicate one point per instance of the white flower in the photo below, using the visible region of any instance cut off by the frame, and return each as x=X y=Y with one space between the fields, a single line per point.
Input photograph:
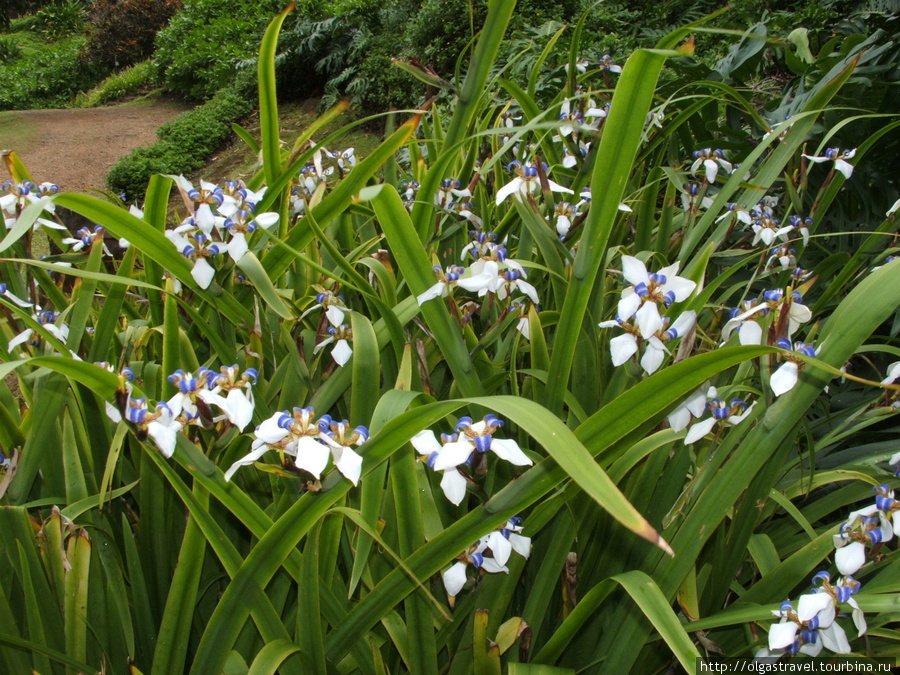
x=340 y=336
x=340 y=438
x=785 y=376
x=692 y=407
x=712 y=161
x=839 y=158
x=730 y=413
x=238 y=403
x=47 y=320
x=772 y=300
x=525 y=182
x=453 y=483
x=295 y=434
x=489 y=553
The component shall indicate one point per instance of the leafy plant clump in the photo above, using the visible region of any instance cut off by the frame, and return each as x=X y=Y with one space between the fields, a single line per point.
x=118 y=86
x=197 y=52
x=183 y=144
x=583 y=368
x=49 y=78
x=56 y=19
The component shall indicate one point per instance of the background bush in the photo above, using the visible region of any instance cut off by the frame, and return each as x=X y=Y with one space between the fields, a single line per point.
x=197 y=52
x=182 y=146
x=121 y=32
x=48 y=79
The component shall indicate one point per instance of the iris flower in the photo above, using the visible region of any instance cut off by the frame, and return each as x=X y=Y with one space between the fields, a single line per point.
x=839 y=158
x=340 y=336
x=723 y=412
x=525 y=182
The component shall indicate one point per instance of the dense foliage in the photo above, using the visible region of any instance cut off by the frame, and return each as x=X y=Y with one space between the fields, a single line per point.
x=197 y=52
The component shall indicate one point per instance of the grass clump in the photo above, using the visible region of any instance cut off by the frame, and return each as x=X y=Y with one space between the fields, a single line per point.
x=118 y=86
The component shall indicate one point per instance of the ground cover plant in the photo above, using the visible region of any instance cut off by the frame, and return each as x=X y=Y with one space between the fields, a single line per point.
x=603 y=384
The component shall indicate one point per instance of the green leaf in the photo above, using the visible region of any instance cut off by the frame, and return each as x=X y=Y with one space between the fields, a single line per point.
x=615 y=157
x=271 y=657
x=268 y=101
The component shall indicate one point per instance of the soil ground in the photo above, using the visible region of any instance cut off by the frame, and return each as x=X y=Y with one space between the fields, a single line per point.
x=75 y=148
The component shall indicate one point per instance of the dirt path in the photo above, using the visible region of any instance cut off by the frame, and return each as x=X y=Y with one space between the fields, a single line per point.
x=75 y=148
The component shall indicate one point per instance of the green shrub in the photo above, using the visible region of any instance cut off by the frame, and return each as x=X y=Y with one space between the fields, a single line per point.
x=49 y=79
x=10 y=50
x=58 y=19
x=183 y=144
x=118 y=86
x=197 y=52
x=121 y=32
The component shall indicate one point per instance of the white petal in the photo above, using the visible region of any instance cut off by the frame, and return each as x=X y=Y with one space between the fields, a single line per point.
x=509 y=450
x=654 y=353
x=335 y=315
x=750 y=333
x=269 y=432
x=528 y=290
x=266 y=220
x=648 y=319
x=237 y=246
x=634 y=271
x=349 y=463
x=711 y=170
x=563 y=224
x=835 y=639
x=454 y=486
x=811 y=604
x=454 y=579
x=622 y=348
x=164 y=435
x=784 y=378
x=844 y=167
x=204 y=218
x=500 y=547
x=782 y=635
x=246 y=460
x=492 y=566
x=510 y=188
x=556 y=187
x=341 y=352
x=680 y=287
x=850 y=558
x=21 y=338
x=203 y=273
x=679 y=418
x=17 y=300
x=628 y=305
x=239 y=408
x=425 y=442
x=520 y=544
x=312 y=456
x=699 y=430
x=452 y=455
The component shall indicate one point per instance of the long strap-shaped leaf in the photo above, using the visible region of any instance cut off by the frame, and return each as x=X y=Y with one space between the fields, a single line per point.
x=618 y=148
x=268 y=102
x=419 y=274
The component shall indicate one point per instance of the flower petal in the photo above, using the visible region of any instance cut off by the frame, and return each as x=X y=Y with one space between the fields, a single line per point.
x=784 y=378
x=312 y=456
x=509 y=450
